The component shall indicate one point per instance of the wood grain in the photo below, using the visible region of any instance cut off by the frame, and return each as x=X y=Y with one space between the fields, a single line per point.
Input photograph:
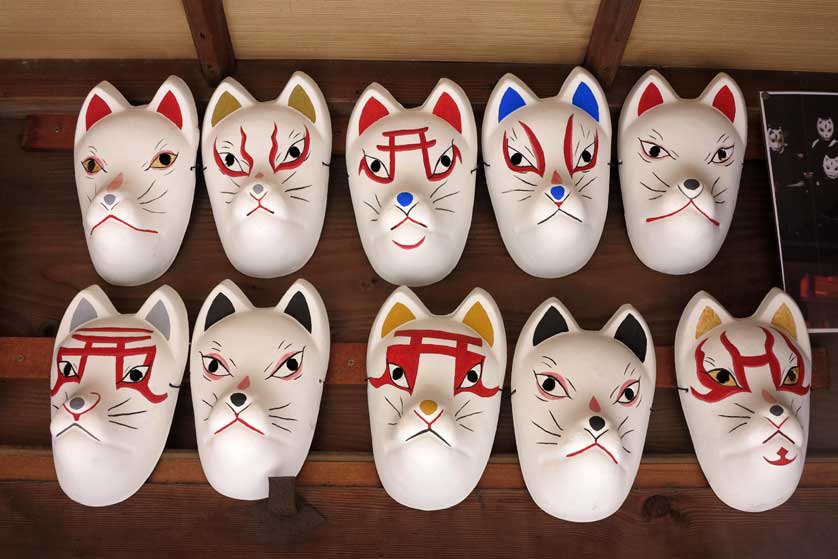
x=609 y=37
x=211 y=36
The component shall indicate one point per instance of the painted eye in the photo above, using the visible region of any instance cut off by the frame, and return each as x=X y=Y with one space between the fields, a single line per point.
x=231 y=162
x=163 y=160
x=629 y=393
x=135 y=374
x=289 y=367
x=445 y=163
x=792 y=376
x=67 y=369
x=518 y=161
x=723 y=154
x=397 y=375
x=375 y=168
x=550 y=386
x=653 y=151
x=295 y=151
x=723 y=377
x=587 y=158
x=472 y=376
x=214 y=367
x=91 y=166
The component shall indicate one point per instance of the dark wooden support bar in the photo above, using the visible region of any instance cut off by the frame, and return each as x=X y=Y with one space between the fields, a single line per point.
x=212 y=38
x=609 y=37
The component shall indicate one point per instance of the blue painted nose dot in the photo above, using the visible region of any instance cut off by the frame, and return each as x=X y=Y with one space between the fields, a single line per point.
x=404 y=198
x=110 y=199
x=557 y=192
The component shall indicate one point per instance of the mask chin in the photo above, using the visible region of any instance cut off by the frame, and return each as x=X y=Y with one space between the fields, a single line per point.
x=123 y=475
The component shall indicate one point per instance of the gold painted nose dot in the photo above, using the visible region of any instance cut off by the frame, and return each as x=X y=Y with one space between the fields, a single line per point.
x=428 y=407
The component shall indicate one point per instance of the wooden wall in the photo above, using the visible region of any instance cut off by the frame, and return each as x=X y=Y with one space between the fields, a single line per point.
x=670 y=512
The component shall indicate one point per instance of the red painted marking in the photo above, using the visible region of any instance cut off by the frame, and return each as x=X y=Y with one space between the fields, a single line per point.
x=782 y=459
x=538 y=152
x=725 y=103
x=556 y=178
x=447 y=110
x=114 y=346
x=243 y=422
x=123 y=222
x=569 y=160
x=768 y=397
x=244 y=384
x=97 y=109
x=242 y=151
x=407 y=357
x=594 y=405
x=170 y=108
x=288 y=165
x=651 y=98
x=423 y=144
x=425 y=421
x=372 y=112
x=589 y=447
x=405 y=220
x=685 y=206
x=115 y=183
x=75 y=415
x=259 y=205
x=410 y=247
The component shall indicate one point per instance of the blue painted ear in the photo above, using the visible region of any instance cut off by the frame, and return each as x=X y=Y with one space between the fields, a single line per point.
x=509 y=103
x=584 y=98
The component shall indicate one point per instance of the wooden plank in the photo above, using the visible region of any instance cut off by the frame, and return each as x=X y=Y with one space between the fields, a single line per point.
x=30 y=358
x=358 y=470
x=609 y=37
x=211 y=37
x=741 y=34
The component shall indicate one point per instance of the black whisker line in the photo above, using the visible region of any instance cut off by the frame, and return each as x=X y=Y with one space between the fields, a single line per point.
x=545 y=430
x=437 y=190
x=395 y=409
x=154 y=199
x=545 y=442
x=119 y=404
x=140 y=197
x=446 y=196
x=469 y=415
x=553 y=417
x=620 y=426
x=121 y=424
x=646 y=186
x=126 y=413
x=283 y=418
x=626 y=433
x=280 y=407
x=207 y=403
x=517 y=190
x=737 y=427
x=744 y=408
x=466 y=427
x=281 y=427
x=667 y=185
x=295 y=188
x=735 y=416
x=525 y=181
x=456 y=413
x=370 y=206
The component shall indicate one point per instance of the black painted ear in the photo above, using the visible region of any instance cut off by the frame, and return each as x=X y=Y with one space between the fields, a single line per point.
x=297 y=308
x=551 y=324
x=220 y=307
x=633 y=336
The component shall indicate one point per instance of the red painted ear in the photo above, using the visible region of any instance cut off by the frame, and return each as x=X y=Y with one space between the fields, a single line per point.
x=97 y=109
x=169 y=108
x=651 y=98
x=725 y=102
x=373 y=111
x=447 y=110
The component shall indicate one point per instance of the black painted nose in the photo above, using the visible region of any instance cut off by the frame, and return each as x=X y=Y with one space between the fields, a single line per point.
x=691 y=184
x=596 y=422
x=776 y=410
x=238 y=399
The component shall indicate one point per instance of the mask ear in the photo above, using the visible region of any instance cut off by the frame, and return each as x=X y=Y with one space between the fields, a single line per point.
x=509 y=95
x=374 y=104
x=302 y=94
x=583 y=91
x=401 y=307
x=550 y=319
x=449 y=102
x=103 y=100
x=165 y=311
x=780 y=311
x=225 y=299
x=628 y=327
x=479 y=312
x=701 y=315
x=174 y=101
x=650 y=91
x=723 y=94
x=303 y=303
x=227 y=98
x=88 y=304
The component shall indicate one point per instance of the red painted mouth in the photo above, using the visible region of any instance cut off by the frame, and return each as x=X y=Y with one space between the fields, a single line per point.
x=259 y=206
x=782 y=458
x=410 y=247
x=778 y=431
x=679 y=210
x=590 y=446
x=243 y=422
x=405 y=220
x=123 y=222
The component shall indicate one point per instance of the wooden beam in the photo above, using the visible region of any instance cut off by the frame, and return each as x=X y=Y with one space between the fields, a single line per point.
x=609 y=37
x=212 y=38
x=29 y=358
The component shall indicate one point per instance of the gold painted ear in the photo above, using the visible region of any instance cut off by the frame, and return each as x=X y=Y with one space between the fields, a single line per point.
x=478 y=320
x=397 y=316
x=226 y=105
x=300 y=101
x=784 y=320
x=708 y=320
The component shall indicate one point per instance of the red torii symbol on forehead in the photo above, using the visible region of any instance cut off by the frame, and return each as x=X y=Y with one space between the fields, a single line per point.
x=115 y=348
x=423 y=144
x=407 y=357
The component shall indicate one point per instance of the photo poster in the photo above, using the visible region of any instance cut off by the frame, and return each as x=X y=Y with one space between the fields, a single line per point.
x=802 y=155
